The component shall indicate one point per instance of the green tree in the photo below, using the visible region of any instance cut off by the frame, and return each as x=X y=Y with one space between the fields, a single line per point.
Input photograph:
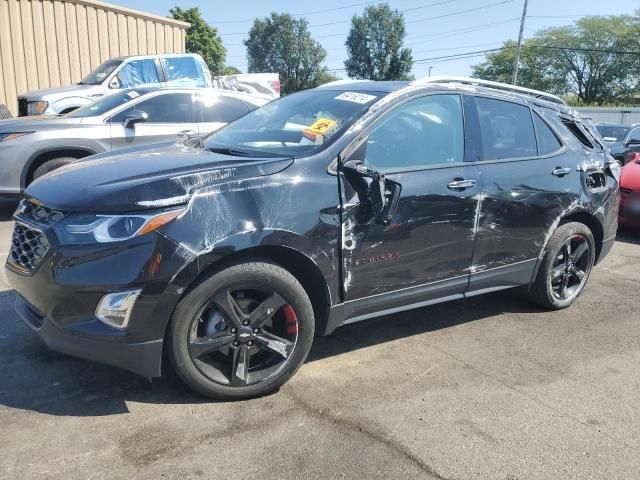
x=374 y=45
x=583 y=61
x=230 y=70
x=202 y=38
x=283 y=44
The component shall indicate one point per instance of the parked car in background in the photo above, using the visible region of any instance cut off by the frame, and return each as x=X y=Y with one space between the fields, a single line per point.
x=170 y=70
x=33 y=146
x=629 y=214
x=322 y=208
x=623 y=141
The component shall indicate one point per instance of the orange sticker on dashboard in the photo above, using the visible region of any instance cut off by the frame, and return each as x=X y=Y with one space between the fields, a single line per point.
x=321 y=126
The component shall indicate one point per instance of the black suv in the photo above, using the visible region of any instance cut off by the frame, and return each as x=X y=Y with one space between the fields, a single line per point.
x=322 y=208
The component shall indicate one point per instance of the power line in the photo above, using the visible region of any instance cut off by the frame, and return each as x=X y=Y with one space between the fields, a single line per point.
x=315 y=12
x=432 y=18
x=433 y=4
x=477 y=53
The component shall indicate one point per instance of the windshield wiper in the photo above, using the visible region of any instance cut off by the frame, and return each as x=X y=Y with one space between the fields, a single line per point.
x=228 y=151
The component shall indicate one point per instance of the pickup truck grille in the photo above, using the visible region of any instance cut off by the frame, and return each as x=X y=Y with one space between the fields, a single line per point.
x=28 y=247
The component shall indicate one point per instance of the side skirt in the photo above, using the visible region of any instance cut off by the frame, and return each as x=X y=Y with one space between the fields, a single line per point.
x=477 y=283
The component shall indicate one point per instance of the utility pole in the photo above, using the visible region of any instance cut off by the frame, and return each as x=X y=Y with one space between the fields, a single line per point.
x=516 y=62
x=430 y=67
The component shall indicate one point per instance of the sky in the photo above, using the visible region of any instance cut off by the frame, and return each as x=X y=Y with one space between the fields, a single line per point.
x=435 y=28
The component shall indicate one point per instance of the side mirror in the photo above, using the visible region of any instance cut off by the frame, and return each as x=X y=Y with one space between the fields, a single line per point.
x=632 y=142
x=379 y=196
x=135 y=116
x=114 y=84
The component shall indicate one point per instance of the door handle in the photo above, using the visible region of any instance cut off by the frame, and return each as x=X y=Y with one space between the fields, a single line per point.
x=561 y=172
x=461 y=184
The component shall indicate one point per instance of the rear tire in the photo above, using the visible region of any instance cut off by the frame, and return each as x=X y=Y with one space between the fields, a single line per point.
x=51 y=165
x=222 y=315
x=4 y=112
x=566 y=265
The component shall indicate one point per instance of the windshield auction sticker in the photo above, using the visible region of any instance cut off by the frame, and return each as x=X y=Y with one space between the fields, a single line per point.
x=355 y=97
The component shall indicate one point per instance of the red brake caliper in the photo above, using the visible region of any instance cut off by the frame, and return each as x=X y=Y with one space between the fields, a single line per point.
x=292 y=319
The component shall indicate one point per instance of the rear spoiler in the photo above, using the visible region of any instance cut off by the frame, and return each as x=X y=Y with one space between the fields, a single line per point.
x=265 y=85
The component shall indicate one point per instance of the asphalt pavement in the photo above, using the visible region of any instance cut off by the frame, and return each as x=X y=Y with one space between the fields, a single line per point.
x=486 y=388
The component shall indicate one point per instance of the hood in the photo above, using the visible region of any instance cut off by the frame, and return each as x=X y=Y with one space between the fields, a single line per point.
x=53 y=94
x=37 y=123
x=143 y=179
x=630 y=176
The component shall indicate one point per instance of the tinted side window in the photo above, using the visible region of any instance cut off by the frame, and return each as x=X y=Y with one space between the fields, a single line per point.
x=423 y=132
x=548 y=143
x=138 y=72
x=223 y=109
x=170 y=108
x=507 y=129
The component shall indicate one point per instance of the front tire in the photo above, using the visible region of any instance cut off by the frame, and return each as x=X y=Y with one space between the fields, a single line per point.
x=566 y=265
x=242 y=332
x=51 y=165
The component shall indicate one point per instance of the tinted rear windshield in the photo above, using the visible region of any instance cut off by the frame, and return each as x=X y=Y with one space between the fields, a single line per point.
x=295 y=125
x=612 y=133
x=106 y=104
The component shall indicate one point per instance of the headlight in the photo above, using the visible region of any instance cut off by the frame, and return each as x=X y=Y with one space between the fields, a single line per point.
x=89 y=228
x=5 y=137
x=36 y=108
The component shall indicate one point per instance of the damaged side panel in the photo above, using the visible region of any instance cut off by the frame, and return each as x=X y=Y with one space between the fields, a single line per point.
x=296 y=209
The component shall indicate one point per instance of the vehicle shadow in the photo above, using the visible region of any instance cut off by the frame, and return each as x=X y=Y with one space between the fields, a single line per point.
x=627 y=235
x=38 y=379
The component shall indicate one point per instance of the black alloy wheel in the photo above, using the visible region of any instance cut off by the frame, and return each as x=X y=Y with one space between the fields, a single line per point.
x=242 y=332
x=569 y=272
x=566 y=265
x=243 y=336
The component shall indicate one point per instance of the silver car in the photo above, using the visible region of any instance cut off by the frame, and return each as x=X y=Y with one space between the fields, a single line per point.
x=33 y=146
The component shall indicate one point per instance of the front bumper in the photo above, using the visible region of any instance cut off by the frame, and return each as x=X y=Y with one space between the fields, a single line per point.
x=144 y=358
x=58 y=298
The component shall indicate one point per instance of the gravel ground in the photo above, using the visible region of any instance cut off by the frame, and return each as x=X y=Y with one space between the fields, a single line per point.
x=490 y=388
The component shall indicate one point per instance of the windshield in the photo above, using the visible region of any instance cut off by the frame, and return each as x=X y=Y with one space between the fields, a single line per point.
x=99 y=74
x=612 y=133
x=295 y=125
x=106 y=104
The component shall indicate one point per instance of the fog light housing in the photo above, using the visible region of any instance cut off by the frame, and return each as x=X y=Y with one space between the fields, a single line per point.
x=115 y=308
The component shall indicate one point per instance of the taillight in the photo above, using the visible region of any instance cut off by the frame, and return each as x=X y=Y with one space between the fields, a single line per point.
x=275 y=84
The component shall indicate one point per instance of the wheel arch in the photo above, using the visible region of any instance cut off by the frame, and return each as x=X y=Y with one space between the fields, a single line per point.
x=39 y=158
x=301 y=266
x=592 y=223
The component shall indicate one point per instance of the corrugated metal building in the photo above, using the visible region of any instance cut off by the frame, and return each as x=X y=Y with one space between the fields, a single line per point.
x=48 y=43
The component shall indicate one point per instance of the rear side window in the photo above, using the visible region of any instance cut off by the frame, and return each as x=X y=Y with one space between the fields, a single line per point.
x=223 y=109
x=577 y=132
x=507 y=129
x=548 y=143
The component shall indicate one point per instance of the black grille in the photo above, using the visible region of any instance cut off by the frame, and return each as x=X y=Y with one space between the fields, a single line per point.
x=28 y=247
x=38 y=214
x=22 y=107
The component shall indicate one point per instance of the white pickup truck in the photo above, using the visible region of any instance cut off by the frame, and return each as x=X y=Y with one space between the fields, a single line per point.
x=165 y=70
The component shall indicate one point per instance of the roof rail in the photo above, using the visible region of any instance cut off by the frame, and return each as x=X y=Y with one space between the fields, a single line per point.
x=490 y=84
